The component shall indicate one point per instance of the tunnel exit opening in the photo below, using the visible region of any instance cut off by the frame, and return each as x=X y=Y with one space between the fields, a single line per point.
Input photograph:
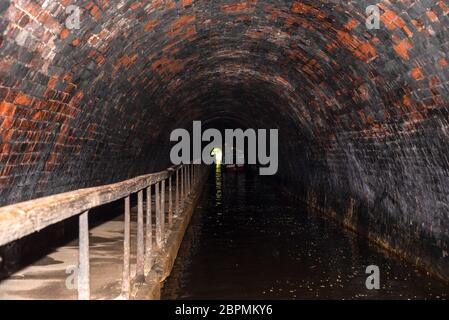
x=255 y=146
x=217 y=153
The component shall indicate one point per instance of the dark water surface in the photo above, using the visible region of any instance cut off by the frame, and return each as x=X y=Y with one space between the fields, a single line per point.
x=245 y=241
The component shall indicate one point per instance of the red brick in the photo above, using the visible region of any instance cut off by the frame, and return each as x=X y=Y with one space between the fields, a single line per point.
x=64 y=34
x=417 y=74
x=22 y=99
x=76 y=42
x=150 y=25
x=432 y=16
x=7 y=109
x=186 y=3
x=402 y=48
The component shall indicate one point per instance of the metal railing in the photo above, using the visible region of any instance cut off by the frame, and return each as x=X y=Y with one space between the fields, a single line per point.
x=22 y=219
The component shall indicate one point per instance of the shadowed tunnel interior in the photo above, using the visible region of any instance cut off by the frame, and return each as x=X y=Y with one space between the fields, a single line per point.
x=362 y=114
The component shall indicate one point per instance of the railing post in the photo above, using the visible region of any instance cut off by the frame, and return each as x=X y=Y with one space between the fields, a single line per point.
x=158 y=217
x=149 y=231
x=83 y=264
x=185 y=182
x=170 y=204
x=140 y=259
x=186 y=190
x=188 y=178
x=177 y=193
x=162 y=208
x=126 y=250
x=181 y=172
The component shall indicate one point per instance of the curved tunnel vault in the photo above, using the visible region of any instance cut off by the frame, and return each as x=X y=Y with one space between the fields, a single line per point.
x=362 y=113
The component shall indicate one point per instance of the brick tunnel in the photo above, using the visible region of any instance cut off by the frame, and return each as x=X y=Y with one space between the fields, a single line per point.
x=362 y=113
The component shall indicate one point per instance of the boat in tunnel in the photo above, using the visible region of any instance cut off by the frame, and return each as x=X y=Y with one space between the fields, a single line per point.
x=226 y=150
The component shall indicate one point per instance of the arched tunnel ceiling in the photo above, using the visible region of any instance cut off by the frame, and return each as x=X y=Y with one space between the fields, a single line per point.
x=80 y=106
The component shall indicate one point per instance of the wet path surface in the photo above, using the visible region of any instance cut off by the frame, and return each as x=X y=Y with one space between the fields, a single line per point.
x=246 y=241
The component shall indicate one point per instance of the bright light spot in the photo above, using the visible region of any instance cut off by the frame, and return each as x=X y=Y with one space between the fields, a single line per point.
x=218 y=154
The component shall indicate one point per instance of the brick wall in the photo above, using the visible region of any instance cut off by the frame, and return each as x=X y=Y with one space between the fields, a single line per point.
x=363 y=113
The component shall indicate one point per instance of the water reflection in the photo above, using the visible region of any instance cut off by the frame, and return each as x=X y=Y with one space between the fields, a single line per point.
x=218 y=186
x=247 y=241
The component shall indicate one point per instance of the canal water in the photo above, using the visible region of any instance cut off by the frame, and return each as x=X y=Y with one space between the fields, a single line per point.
x=245 y=241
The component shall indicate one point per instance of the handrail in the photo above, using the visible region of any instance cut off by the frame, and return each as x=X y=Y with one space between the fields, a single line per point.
x=21 y=219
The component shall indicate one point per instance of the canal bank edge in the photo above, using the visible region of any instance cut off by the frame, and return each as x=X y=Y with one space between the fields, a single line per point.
x=165 y=258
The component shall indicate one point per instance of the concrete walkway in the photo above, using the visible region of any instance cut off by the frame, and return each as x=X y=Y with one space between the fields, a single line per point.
x=52 y=276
